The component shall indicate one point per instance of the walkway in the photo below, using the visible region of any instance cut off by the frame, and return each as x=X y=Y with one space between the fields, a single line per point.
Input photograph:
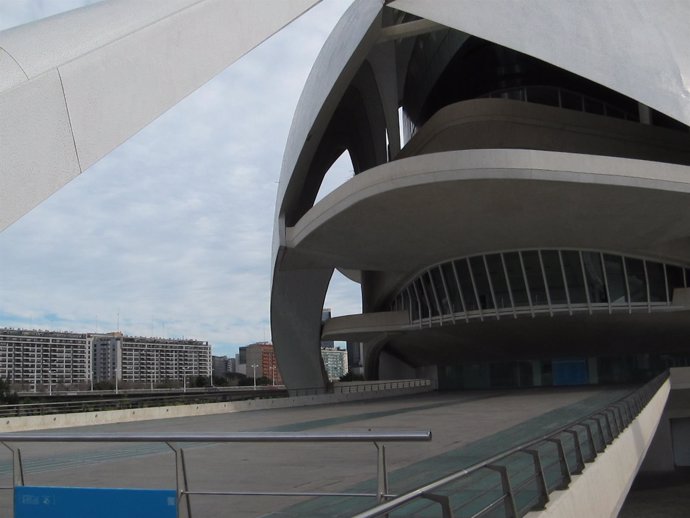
x=466 y=426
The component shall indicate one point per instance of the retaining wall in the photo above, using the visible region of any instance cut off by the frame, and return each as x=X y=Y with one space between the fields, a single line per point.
x=42 y=422
x=601 y=489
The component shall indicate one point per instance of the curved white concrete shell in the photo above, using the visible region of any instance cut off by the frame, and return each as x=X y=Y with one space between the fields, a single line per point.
x=521 y=134
x=76 y=85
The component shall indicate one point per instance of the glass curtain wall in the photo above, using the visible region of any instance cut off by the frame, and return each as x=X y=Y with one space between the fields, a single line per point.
x=538 y=281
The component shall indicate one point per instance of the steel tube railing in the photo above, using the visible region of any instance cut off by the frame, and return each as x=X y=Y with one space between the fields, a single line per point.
x=378 y=439
x=645 y=393
x=355 y=436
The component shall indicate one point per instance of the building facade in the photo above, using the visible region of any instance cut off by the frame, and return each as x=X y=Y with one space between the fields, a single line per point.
x=261 y=361
x=146 y=360
x=334 y=362
x=29 y=358
x=520 y=209
x=32 y=359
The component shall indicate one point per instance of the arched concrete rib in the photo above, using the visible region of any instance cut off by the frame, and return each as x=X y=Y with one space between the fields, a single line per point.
x=77 y=85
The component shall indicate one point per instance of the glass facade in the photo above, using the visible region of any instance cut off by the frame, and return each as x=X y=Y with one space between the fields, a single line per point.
x=538 y=281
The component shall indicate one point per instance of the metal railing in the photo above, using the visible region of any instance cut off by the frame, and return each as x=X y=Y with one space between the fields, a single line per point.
x=172 y=440
x=99 y=405
x=366 y=386
x=527 y=473
x=562 y=98
x=133 y=400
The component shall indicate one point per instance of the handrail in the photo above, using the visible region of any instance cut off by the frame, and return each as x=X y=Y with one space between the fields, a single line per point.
x=84 y=405
x=10 y=439
x=346 y=436
x=426 y=491
x=197 y=397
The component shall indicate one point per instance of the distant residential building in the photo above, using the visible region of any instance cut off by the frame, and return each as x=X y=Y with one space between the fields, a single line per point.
x=45 y=358
x=335 y=362
x=139 y=359
x=263 y=356
x=30 y=357
x=222 y=365
x=355 y=357
x=241 y=361
x=326 y=315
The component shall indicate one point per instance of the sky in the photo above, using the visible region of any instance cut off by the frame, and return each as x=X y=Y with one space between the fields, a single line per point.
x=170 y=234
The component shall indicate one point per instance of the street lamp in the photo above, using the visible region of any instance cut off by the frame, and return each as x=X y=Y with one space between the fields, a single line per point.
x=50 y=382
x=117 y=387
x=184 y=378
x=254 y=366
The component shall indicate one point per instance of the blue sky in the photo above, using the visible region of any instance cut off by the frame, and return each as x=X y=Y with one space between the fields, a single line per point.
x=171 y=232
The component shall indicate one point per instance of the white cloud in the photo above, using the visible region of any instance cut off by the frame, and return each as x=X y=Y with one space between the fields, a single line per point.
x=172 y=230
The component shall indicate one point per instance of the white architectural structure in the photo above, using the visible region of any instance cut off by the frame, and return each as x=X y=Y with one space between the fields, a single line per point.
x=537 y=142
x=76 y=85
x=529 y=223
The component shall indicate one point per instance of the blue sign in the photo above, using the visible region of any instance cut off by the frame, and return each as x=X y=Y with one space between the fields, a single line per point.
x=91 y=502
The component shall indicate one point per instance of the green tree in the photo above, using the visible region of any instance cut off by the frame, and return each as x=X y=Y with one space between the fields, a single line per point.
x=7 y=397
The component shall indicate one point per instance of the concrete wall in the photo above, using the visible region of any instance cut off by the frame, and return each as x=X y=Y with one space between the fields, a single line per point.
x=669 y=440
x=42 y=422
x=602 y=487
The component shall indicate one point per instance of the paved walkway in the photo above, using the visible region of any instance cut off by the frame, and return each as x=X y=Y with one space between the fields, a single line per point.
x=465 y=426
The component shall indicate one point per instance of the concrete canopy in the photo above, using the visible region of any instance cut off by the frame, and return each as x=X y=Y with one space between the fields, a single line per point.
x=473 y=201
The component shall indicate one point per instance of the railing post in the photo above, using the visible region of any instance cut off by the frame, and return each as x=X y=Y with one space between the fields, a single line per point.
x=511 y=507
x=181 y=484
x=601 y=429
x=381 y=473
x=17 y=466
x=592 y=444
x=541 y=480
x=443 y=501
x=563 y=462
x=578 y=452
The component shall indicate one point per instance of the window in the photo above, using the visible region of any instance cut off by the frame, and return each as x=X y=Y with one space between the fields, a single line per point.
x=535 y=279
x=554 y=276
x=573 y=275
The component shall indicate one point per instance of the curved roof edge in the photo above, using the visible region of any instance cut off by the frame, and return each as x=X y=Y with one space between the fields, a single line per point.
x=645 y=42
x=322 y=91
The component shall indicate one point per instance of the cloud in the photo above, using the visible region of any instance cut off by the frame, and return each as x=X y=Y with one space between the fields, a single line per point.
x=171 y=231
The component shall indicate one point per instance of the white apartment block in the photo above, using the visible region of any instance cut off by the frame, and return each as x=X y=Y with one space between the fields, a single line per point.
x=29 y=357
x=139 y=359
x=335 y=362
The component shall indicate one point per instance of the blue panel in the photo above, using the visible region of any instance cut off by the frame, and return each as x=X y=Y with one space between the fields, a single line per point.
x=570 y=372
x=86 y=502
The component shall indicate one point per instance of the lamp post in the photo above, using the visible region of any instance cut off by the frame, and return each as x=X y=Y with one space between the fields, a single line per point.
x=273 y=374
x=50 y=382
x=254 y=366
x=117 y=387
x=184 y=378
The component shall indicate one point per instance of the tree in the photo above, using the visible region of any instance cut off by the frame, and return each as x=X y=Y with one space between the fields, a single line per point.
x=7 y=397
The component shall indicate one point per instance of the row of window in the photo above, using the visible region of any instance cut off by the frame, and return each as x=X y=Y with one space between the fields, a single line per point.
x=531 y=281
